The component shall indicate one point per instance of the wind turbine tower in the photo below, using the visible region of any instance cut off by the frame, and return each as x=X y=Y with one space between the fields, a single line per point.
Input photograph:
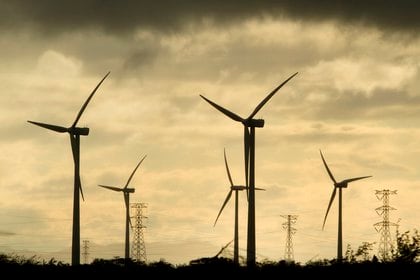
x=249 y=155
x=138 y=249
x=385 y=242
x=288 y=226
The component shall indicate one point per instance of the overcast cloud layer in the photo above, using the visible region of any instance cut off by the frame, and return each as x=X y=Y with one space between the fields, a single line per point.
x=356 y=97
x=125 y=16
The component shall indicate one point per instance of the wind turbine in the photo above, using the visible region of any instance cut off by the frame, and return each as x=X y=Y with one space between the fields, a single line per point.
x=75 y=133
x=249 y=154
x=235 y=188
x=126 y=192
x=339 y=186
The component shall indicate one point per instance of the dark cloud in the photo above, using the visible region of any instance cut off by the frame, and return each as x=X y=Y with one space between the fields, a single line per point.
x=381 y=103
x=6 y=233
x=388 y=14
x=141 y=59
x=120 y=17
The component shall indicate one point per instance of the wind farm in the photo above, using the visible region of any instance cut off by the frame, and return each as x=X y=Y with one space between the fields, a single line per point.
x=356 y=98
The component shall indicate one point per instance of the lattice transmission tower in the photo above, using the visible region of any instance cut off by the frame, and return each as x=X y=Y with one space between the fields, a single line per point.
x=385 y=242
x=288 y=226
x=85 y=251
x=138 y=248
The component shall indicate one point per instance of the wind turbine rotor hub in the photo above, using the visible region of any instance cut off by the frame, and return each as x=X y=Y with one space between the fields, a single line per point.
x=129 y=190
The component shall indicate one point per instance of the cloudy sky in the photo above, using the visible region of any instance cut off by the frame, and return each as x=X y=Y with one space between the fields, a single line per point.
x=356 y=98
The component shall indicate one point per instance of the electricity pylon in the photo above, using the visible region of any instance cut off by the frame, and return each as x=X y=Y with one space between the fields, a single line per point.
x=288 y=252
x=85 y=251
x=385 y=243
x=138 y=249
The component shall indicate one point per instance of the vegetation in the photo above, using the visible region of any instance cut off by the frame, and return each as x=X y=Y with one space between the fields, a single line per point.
x=408 y=247
x=405 y=261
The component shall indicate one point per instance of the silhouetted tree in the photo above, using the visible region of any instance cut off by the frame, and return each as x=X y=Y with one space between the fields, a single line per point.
x=349 y=255
x=361 y=254
x=364 y=250
x=408 y=247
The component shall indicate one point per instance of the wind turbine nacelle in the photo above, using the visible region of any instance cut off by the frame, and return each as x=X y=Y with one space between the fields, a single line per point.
x=237 y=188
x=129 y=190
x=79 y=130
x=341 y=185
x=255 y=123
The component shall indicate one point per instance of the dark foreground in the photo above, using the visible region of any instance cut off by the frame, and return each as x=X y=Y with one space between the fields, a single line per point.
x=219 y=269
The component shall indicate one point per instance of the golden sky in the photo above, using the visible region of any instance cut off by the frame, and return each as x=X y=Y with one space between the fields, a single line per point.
x=356 y=98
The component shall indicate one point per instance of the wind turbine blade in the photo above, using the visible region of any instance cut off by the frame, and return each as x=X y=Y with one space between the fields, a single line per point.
x=87 y=101
x=222 y=249
x=246 y=157
x=126 y=200
x=355 y=179
x=223 y=206
x=74 y=149
x=80 y=188
x=55 y=128
x=111 y=188
x=265 y=100
x=134 y=171
x=75 y=152
x=257 y=189
x=127 y=207
x=227 y=169
x=228 y=113
x=328 y=170
x=329 y=206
